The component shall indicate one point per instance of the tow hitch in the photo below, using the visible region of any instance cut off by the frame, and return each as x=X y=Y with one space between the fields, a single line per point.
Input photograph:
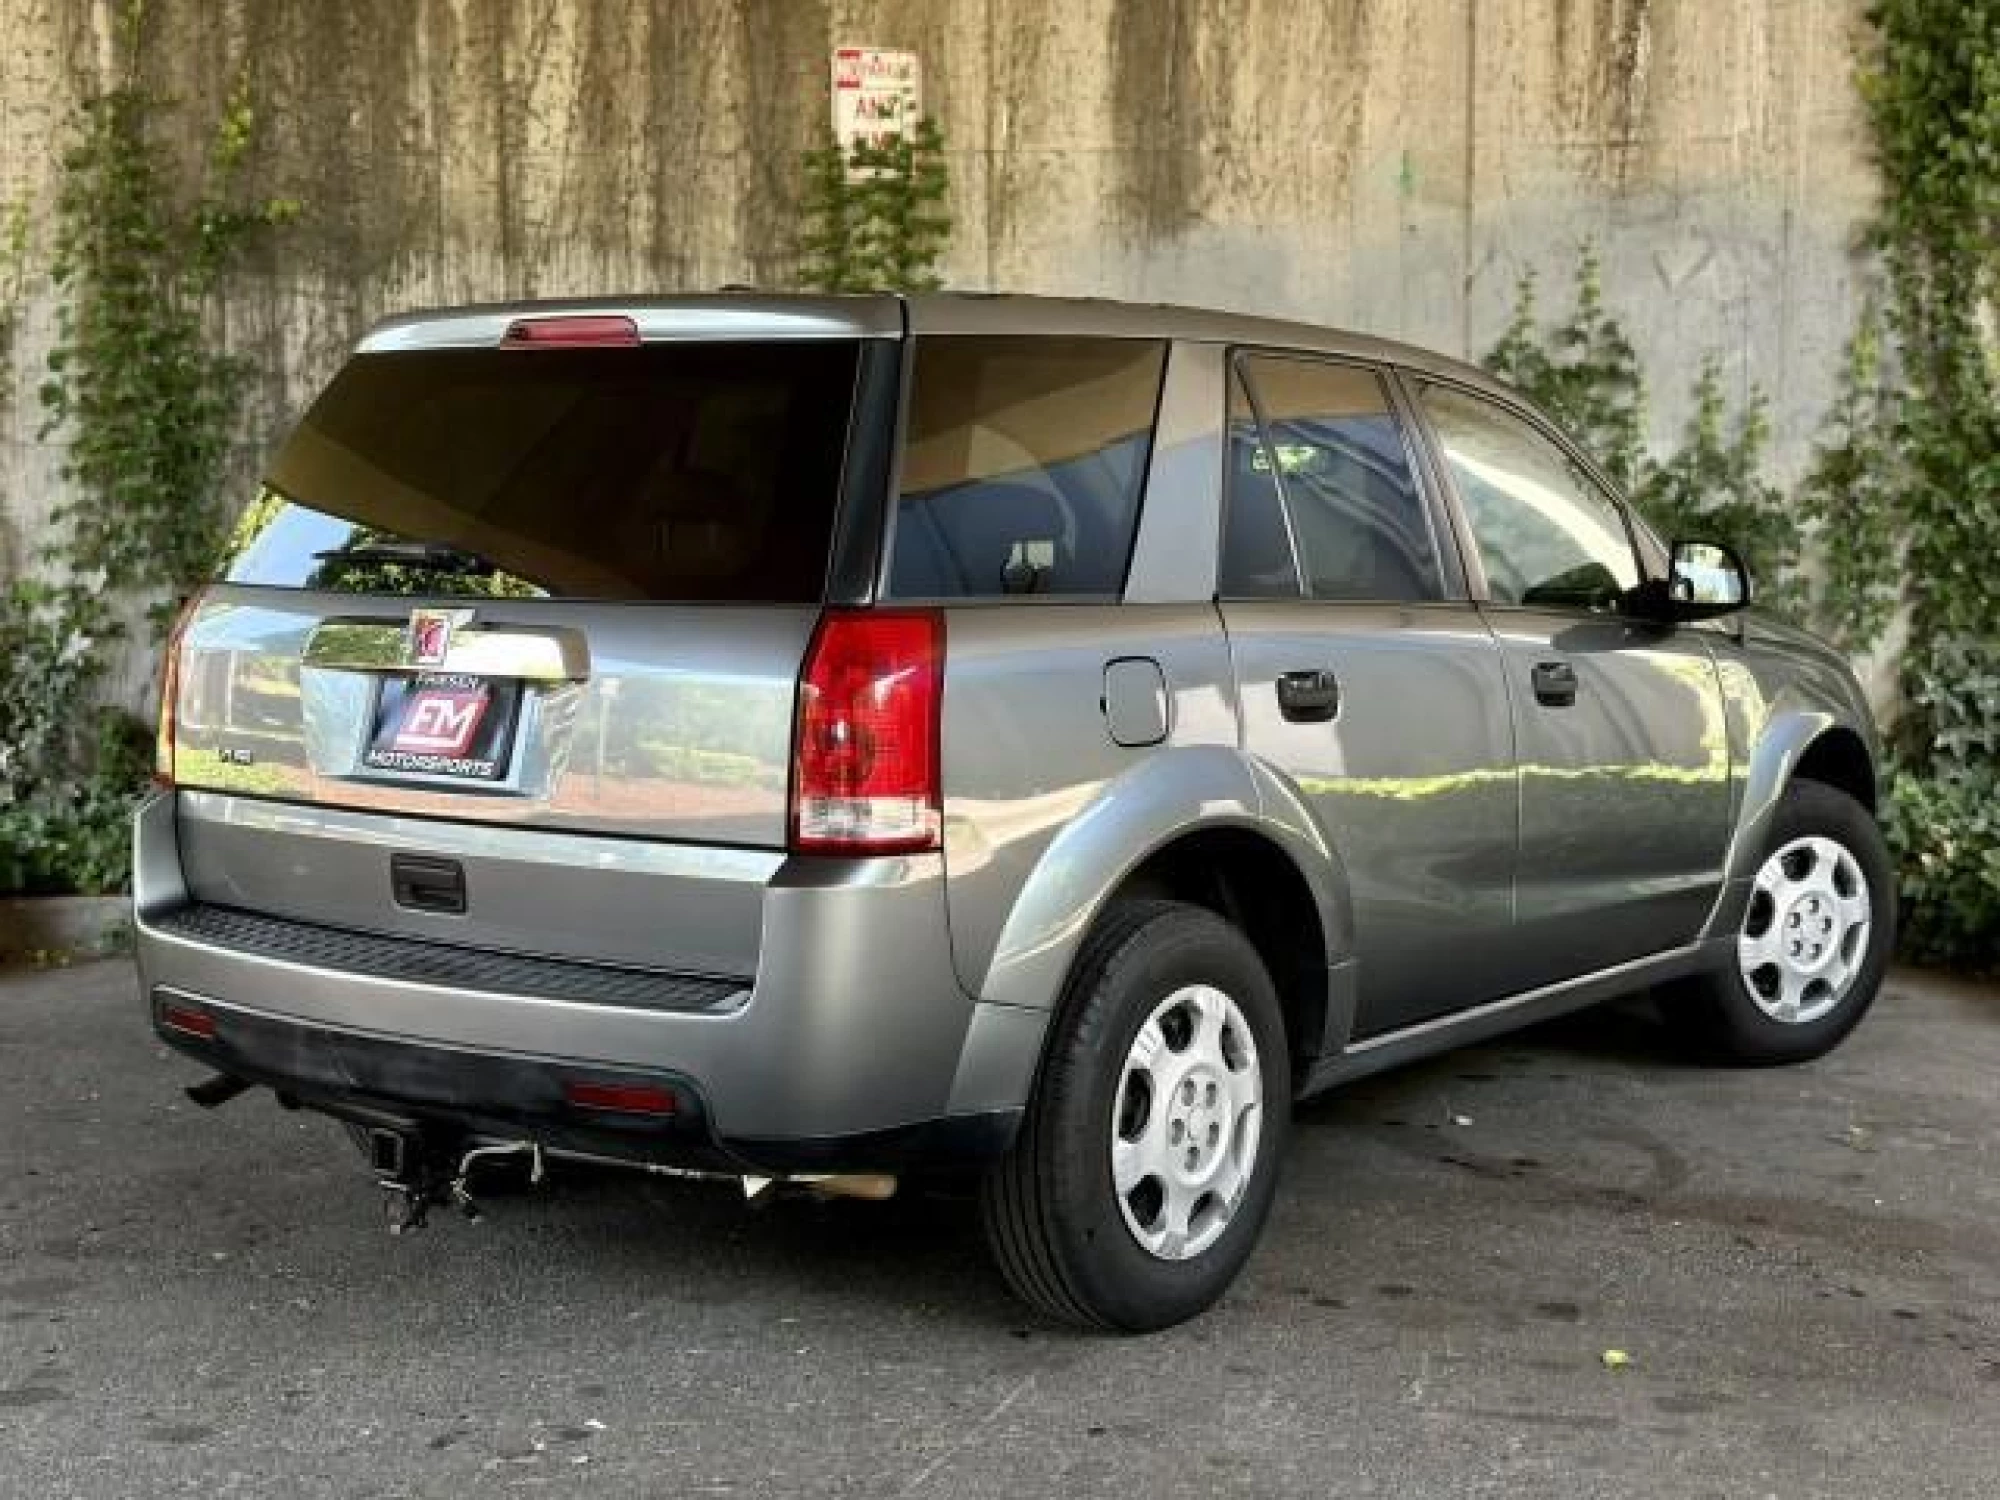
x=417 y=1175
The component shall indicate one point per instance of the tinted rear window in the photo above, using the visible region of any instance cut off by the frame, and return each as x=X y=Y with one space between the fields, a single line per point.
x=1023 y=463
x=669 y=472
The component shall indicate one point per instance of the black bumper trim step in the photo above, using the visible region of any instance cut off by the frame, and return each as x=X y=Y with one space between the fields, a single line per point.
x=401 y=1083
x=417 y=961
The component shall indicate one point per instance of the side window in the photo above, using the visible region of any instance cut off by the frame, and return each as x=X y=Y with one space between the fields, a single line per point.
x=1546 y=533
x=1357 y=520
x=1023 y=461
x=1257 y=557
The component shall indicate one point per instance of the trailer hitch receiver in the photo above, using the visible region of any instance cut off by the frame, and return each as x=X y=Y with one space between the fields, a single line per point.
x=417 y=1174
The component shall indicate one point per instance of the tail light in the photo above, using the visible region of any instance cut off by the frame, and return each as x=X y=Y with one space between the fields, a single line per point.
x=170 y=691
x=865 y=776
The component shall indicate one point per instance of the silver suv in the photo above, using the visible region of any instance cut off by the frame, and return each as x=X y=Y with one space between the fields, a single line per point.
x=827 y=740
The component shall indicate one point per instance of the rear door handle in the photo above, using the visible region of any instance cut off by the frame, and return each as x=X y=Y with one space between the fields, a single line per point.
x=1555 y=683
x=422 y=882
x=1308 y=697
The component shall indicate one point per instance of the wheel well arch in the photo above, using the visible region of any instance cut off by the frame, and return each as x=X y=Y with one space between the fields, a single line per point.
x=1253 y=883
x=1839 y=758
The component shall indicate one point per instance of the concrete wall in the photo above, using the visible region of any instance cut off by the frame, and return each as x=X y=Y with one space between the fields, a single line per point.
x=1388 y=164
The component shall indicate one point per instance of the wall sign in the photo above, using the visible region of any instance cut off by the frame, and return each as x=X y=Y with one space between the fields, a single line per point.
x=877 y=95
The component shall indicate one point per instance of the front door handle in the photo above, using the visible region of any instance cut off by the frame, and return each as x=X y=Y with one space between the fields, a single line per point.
x=1555 y=683
x=1309 y=697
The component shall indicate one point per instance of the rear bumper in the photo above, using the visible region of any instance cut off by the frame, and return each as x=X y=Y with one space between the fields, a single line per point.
x=853 y=1049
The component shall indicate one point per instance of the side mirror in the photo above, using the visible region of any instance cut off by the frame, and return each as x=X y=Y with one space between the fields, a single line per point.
x=1704 y=580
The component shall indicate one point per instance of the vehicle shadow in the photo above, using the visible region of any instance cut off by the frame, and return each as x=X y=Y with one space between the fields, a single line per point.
x=1629 y=1032
x=919 y=1255
x=1625 y=1037
x=694 y=1258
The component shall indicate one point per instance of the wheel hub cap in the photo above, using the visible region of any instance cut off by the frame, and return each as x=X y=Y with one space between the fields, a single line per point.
x=1805 y=933
x=1185 y=1122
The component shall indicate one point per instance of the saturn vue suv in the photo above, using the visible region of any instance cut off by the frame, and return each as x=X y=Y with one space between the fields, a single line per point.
x=833 y=741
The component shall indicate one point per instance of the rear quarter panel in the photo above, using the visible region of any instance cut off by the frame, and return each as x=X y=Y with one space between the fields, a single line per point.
x=1045 y=813
x=1027 y=748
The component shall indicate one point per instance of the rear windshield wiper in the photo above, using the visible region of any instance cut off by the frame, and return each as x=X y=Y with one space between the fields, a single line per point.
x=439 y=557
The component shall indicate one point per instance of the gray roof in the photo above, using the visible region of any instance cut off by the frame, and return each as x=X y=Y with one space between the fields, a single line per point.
x=973 y=312
x=756 y=314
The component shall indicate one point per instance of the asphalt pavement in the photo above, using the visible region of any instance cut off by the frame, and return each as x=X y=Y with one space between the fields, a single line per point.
x=1801 y=1265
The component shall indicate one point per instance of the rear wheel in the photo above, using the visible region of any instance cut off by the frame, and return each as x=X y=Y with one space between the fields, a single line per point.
x=1146 y=1164
x=1814 y=942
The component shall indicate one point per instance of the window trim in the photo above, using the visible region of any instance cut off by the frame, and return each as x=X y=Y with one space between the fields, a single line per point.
x=858 y=552
x=1480 y=587
x=892 y=487
x=1453 y=581
x=1235 y=380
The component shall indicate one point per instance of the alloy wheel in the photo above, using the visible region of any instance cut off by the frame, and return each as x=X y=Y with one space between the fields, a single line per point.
x=1805 y=934
x=1185 y=1122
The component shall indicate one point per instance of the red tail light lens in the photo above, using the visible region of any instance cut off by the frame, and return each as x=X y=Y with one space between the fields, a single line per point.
x=865 y=767
x=170 y=691
x=572 y=333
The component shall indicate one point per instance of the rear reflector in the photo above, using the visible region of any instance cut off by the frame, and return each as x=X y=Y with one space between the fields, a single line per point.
x=572 y=333
x=865 y=764
x=621 y=1098
x=187 y=1020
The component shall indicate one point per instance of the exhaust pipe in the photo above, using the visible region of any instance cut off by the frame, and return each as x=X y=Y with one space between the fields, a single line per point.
x=214 y=1092
x=874 y=1187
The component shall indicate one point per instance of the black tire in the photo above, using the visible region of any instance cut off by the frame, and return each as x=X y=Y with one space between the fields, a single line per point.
x=1051 y=1212
x=1717 y=1011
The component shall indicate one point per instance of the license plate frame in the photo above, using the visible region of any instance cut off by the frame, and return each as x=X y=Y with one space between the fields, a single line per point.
x=444 y=726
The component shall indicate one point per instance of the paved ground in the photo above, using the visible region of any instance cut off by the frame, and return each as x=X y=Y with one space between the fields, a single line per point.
x=1802 y=1265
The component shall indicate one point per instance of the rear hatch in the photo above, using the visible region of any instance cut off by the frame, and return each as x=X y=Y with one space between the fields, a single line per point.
x=528 y=598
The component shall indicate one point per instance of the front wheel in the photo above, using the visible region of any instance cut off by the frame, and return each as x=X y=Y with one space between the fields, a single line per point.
x=1814 y=941
x=1148 y=1158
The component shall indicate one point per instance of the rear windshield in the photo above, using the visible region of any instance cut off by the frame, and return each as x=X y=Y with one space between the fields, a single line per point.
x=668 y=472
x=1023 y=463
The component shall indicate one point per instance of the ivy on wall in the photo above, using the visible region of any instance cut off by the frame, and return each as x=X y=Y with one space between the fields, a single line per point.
x=1582 y=370
x=147 y=399
x=148 y=405
x=873 y=215
x=1932 y=91
x=1585 y=372
x=1715 y=486
x=1849 y=500
x=15 y=228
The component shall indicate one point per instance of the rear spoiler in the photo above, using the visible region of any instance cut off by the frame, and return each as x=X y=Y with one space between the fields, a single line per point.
x=714 y=316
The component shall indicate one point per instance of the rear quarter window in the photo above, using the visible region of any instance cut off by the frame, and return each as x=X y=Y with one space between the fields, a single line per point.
x=667 y=472
x=1023 y=463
